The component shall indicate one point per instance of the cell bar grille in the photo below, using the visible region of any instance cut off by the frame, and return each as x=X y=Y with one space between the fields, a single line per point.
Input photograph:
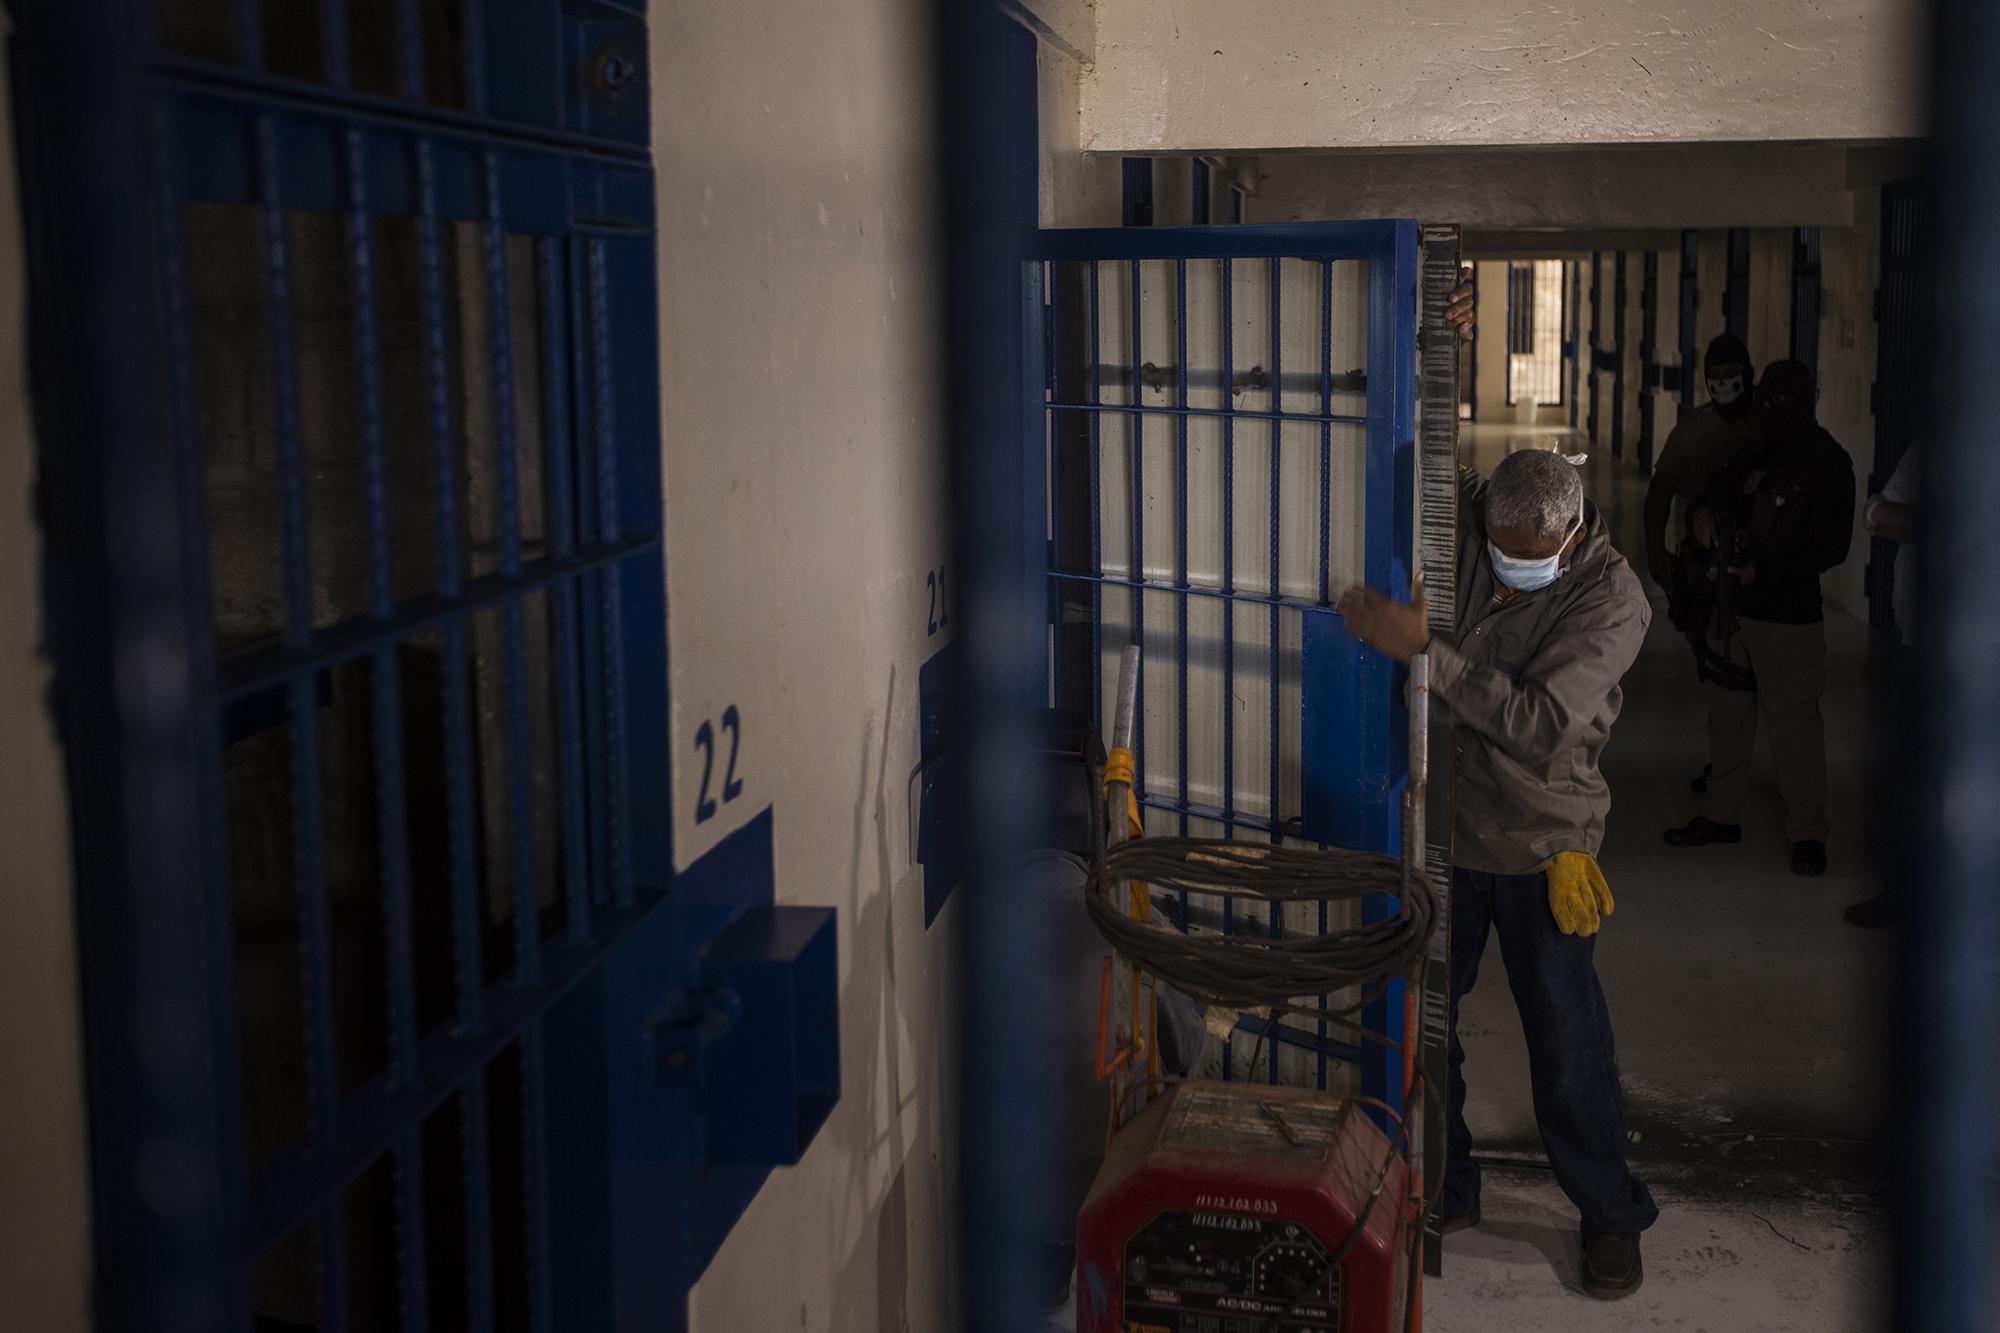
x=1213 y=553
x=409 y=504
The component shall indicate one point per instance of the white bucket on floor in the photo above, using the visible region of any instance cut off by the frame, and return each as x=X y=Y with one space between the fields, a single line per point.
x=1525 y=408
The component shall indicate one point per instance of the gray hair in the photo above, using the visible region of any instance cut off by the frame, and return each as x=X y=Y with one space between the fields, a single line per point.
x=1534 y=489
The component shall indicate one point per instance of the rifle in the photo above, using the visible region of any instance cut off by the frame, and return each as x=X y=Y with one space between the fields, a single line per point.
x=1701 y=604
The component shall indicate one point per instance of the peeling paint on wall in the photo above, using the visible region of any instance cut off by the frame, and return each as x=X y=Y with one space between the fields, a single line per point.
x=1428 y=72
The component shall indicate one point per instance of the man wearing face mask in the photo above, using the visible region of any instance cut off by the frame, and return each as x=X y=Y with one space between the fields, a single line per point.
x=1700 y=442
x=1699 y=445
x=1782 y=510
x=1551 y=616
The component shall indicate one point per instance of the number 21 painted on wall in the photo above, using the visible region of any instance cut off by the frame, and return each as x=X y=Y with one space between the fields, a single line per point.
x=732 y=786
x=940 y=612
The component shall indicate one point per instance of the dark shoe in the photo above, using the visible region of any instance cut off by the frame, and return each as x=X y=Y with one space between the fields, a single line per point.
x=1809 y=857
x=1701 y=830
x=1611 y=1267
x=1700 y=785
x=1877 y=912
x=1462 y=1222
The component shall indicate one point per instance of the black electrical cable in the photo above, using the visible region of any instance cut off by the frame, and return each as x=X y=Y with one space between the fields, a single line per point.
x=1246 y=971
x=1250 y=971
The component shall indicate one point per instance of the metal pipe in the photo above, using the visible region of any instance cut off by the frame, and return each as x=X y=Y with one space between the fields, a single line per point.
x=1420 y=768
x=985 y=98
x=1165 y=379
x=1124 y=723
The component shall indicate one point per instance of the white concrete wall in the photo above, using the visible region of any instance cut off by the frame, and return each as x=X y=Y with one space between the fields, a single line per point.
x=1066 y=26
x=1074 y=190
x=1770 y=295
x=1711 y=270
x=1256 y=75
x=44 y=1192
x=805 y=512
x=1490 y=402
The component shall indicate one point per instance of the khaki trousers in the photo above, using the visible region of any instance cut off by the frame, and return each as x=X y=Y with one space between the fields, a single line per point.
x=1790 y=662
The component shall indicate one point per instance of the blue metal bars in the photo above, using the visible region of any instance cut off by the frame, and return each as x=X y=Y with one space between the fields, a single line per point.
x=1276 y=789
x=375 y=814
x=1308 y=492
x=1690 y=299
x=1649 y=355
x=1619 y=287
x=1736 y=291
x=1596 y=339
x=1805 y=297
x=1574 y=341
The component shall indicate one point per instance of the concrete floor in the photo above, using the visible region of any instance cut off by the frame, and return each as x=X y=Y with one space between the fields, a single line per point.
x=1747 y=1016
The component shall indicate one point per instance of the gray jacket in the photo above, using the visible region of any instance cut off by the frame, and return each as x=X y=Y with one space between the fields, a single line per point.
x=1530 y=690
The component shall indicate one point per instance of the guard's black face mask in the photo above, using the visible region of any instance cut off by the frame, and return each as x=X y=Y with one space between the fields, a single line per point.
x=1783 y=412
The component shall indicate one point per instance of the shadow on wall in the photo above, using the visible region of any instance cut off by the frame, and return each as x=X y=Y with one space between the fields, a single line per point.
x=868 y=1129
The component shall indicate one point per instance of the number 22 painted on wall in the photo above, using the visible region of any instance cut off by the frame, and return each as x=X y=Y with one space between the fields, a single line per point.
x=732 y=786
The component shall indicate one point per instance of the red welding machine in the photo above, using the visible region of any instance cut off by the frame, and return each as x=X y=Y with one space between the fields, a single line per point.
x=1225 y=1208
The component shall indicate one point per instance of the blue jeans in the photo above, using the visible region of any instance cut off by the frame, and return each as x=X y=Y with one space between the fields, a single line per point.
x=1579 y=1106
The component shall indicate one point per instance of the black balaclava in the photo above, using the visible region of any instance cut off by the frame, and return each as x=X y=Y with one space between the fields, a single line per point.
x=1787 y=397
x=1729 y=390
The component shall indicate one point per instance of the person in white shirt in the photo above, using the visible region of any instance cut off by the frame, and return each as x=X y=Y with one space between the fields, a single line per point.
x=1891 y=514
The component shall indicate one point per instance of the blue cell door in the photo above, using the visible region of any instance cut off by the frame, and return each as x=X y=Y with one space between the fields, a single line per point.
x=1229 y=420
x=346 y=401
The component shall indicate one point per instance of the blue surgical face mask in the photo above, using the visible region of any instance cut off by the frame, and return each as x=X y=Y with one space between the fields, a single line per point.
x=1527 y=575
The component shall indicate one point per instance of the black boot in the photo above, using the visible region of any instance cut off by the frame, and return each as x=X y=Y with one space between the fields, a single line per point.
x=1462 y=1222
x=1700 y=785
x=1879 y=911
x=1611 y=1267
x=1809 y=857
x=1701 y=830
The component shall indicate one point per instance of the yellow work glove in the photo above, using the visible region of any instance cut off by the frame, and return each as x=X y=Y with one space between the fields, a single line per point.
x=1578 y=894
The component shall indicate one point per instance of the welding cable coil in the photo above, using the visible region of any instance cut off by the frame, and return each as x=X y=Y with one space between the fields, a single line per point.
x=1249 y=970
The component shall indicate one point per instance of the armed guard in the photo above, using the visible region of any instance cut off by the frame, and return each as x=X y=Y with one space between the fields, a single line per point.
x=1772 y=518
